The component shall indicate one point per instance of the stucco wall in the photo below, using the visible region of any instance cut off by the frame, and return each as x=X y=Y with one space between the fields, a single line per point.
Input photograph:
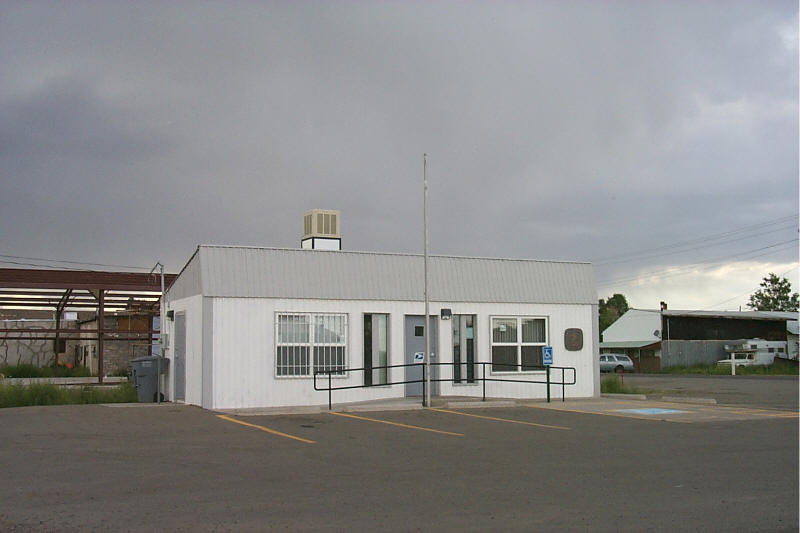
x=37 y=352
x=116 y=354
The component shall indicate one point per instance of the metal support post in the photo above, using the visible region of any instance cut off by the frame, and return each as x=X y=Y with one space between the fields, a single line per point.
x=101 y=313
x=484 y=381
x=161 y=313
x=548 y=384
x=161 y=336
x=424 y=389
x=56 y=341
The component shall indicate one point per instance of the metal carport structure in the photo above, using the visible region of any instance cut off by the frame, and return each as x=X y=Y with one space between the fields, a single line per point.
x=86 y=290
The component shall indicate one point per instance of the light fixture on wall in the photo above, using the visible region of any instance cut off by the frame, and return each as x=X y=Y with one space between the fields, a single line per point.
x=445 y=314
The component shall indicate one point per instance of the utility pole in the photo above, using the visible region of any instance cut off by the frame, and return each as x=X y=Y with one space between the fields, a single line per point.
x=427 y=399
x=160 y=267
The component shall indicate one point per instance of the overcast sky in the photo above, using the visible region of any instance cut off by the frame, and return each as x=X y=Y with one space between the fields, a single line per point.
x=658 y=140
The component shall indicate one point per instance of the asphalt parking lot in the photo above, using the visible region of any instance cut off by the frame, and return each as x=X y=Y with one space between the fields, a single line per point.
x=572 y=466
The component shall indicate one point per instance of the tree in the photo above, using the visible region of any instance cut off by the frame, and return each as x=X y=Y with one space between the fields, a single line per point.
x=775 y=295
x=611 y=309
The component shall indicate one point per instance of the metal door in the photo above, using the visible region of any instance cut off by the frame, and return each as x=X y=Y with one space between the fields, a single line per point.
x=415 y=344
x=180 y=356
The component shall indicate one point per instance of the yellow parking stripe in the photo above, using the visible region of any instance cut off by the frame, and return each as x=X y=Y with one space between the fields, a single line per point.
x=498 y=419
x=268 y=430
x=397 y=424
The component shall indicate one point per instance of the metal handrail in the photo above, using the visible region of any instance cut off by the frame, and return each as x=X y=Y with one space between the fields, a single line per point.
x=339 y=372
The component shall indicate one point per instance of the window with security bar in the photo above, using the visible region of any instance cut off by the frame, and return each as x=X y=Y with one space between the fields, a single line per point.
x=310 y=342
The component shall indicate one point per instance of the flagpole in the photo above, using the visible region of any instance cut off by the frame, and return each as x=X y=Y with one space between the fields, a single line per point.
x=427 y=398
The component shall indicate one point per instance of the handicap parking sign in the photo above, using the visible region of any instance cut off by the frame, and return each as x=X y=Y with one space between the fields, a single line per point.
x=547 y=355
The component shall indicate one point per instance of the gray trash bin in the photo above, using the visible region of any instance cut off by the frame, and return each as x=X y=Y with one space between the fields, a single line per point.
x=143 y=370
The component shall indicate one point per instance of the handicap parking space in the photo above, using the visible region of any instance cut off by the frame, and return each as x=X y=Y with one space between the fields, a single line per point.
x=677 y=412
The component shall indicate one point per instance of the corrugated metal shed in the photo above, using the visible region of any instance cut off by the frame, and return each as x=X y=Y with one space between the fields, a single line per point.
x=628 y=344
x=747 y=315
x=228 y=271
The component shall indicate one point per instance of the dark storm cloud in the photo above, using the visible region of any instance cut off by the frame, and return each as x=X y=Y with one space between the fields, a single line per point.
x=65 y=155
x=556 y=130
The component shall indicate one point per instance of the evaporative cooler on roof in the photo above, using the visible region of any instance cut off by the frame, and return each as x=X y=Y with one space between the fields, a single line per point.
x=321 y=230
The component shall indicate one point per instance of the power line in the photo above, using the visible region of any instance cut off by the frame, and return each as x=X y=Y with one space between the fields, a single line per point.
x=751 y=291
x=687 y=269
x=53 y=267
x=698 y=247
x=709 y=264
x=66 y=261
x=50 y=267
x=716 y=236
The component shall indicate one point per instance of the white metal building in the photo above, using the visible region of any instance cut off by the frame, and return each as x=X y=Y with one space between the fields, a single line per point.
x=247 y=327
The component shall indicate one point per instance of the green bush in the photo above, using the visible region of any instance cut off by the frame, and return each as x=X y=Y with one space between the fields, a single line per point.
x=613 y=385
x=33 y=371
x=696 y=369
x=723 y=370
x=49 y=394
x=121 y=373
x=22 y=371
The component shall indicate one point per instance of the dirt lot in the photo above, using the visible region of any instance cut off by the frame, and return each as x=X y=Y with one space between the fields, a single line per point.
x=770 y=392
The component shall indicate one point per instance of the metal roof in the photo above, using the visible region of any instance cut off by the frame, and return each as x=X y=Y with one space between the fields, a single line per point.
x=81 y=279
x=231 y=271
x=78 y=289
x=635 y=325
x=628 y=344
x=747 y=315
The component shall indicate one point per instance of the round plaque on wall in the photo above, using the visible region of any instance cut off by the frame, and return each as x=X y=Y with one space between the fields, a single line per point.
x=573 y=339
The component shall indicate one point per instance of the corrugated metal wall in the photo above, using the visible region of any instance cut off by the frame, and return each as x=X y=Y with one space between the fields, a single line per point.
x=688 y=353
x=188 y=282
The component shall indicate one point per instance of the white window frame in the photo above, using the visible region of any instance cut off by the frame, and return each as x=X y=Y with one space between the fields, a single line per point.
x=476 y=358
x=311 y=343
x=388 y=347
x=519 y=343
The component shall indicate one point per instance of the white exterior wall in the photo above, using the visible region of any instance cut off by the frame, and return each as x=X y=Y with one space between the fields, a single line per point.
x=560 y=317
x=243 y=350
x=635 y=325
x=792 y=345
x=193 y=308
